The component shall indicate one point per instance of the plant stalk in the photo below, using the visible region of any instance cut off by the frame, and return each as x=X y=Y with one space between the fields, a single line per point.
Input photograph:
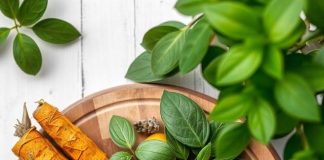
x=300 y=132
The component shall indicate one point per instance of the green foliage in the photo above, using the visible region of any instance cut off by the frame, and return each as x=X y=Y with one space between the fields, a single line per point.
x=190 y=126
x=122 y=132
x=154 y=150
x=264 y=59
x=121 y=156
x=26 y=52
x=204 y=153
x=179 y=149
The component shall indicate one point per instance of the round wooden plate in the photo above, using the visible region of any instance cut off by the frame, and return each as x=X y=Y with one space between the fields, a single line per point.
x=136 y=102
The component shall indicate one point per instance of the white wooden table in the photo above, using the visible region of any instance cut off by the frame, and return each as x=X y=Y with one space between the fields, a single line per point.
x=112 y=31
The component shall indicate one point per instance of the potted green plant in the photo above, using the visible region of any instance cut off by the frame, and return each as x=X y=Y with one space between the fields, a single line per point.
x=266 y=60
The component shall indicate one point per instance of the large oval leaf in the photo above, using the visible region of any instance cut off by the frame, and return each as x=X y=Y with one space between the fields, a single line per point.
x=262 y=121
x=238 y=22
x=4 y=33
x=195 y=47
x=296 y=98
x=239 y=63
x=166 y=53
x=154 y=150
x=152 y=36
x=9 y=8
x=31 y=11
x=140 y=70
x=56 y=31
x=232 y=141
x=180 y=150
x=205 y=153
x=273 y=63
x=27 y=54
x=281 y=18
x=122 y=132
x=184 y=119
x=121 y=156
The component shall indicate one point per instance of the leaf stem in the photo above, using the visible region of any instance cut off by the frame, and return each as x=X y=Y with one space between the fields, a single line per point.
x=16 y=25
x=133 y=153
x=194 y=21
x=302 y=135
x=315 y=35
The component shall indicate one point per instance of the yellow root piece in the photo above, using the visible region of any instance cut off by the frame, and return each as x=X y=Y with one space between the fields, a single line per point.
x=70 y=138
x=33 y=146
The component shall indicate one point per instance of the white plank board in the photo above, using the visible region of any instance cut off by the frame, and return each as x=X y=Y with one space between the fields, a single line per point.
x=59 y=80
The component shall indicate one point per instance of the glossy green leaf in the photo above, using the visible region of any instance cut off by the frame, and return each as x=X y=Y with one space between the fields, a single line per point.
x=122 y=132
x=9 y=8
x=215 y=128
x=273 y=62
x=192 y=7
x=56 y=31
x=262 y=121
x=315 y=136
x=27 y=54
x=31 y=11
x=212 y=53
x=314 y=75
x=231 y=108
x=281 y=18
x=239 y=22
x=4 y=33
x=140 y=70
x=180 y=150
x=166 y=53
x=315 y=12
x=293 y=37
x=184 y=119
x=293 y=145
x=154 y=150
x=296 y=98
x=195 y=46
x=152 y=36
x=239 y=63
x=232 y=141
x=285 y=125
x=204 y=153
x=121 y=156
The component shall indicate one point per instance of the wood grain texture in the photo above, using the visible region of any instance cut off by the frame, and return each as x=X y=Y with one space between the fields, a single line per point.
x=137 y=102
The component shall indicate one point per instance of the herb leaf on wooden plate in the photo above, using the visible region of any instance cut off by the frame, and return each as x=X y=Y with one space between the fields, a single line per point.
x=204 y=153
x=154 y=150
x=122 y=132
x=184 y=119
x=31 y=11
x=180 y=150
x=121 y=156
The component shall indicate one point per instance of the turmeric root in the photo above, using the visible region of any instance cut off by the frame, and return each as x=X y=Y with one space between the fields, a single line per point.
x=32 y=145
x=70 y=138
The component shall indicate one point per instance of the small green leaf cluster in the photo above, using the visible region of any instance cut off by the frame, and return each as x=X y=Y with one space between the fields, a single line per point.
x=266 y=61
x=28 y=14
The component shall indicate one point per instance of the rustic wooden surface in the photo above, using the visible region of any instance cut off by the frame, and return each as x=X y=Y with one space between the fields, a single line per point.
x=112 y=32
x=136 y=102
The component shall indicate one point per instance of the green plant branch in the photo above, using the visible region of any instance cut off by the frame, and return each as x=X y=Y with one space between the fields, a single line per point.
x=309 y=36
x=195 y=21
x=300 y=132
x=133 y=153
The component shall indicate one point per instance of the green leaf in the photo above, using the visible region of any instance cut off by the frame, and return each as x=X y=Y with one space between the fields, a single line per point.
x=31 y=11
x=154 y=150
x=239 y=63
x=140 y=70
x=122 y=132
x=215 y=128
x=56 y=31
x=192 y=7
x=314 y=75
x=281 y=18
x=294 y=36
x=180 y=150
x=305 y=154
x=121 y=156
x=285 y=124
x=315 y=12
x=231 y=108
x=262 y=121
x=195 y=46
x=184 y=119
x=293 y=145
x=273 y=62
x=205 y=153
x=239 y=22
x=9 y=8
x=318 y=58
x=4 y=33
x=232 y=141
x=296 y=98
x=166 y=53
x=212 y=53
x=27 y=54
x=152 y=36
x=315 y=136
